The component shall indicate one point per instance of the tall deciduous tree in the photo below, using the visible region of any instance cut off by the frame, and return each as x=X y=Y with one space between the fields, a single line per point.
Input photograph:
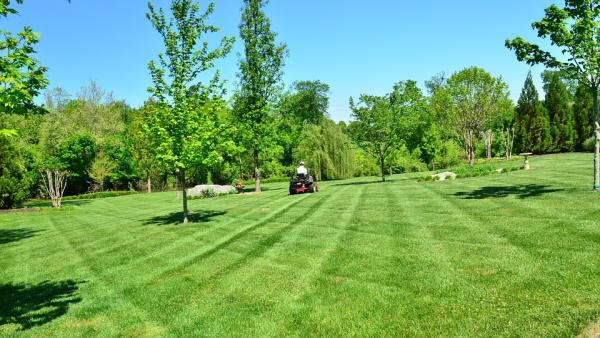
x=306 y=105
x=383 y=123
x=473 y=100
x=184 y=127
x=532 y=124
x=260 y=73
x=575 y=30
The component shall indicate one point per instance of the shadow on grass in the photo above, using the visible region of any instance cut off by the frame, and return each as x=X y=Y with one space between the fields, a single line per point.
x=14 y=235
x=176 y=217
x=29 y=305
x=521 y=191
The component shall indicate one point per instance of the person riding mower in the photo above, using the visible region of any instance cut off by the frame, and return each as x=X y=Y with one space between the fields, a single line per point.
x=301 y=182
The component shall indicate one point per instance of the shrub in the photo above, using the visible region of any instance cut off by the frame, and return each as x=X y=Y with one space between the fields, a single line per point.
x=589 y=144
x=14 y=181
x=102 y=194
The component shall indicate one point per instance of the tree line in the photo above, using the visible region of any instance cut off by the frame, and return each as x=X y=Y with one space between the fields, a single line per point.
x=190 y=131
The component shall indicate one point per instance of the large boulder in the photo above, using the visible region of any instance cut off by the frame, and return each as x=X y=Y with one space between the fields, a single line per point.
x=217 y=189
x=444 y=176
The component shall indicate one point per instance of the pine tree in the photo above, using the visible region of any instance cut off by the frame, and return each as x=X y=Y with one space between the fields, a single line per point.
x=532 y=125
x=557 y=104
x=583 y=114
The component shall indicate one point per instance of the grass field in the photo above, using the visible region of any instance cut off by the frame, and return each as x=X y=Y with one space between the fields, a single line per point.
x=515 y=254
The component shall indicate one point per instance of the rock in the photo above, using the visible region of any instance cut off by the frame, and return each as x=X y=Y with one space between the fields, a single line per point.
x=443 y=176
x=217 y=189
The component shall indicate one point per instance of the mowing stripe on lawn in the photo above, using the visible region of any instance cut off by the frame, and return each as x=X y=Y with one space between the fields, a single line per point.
x=228 y=240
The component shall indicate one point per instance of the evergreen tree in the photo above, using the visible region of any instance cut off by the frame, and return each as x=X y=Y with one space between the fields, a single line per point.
x=532 y=127
x=557 y=104
x=583 y=114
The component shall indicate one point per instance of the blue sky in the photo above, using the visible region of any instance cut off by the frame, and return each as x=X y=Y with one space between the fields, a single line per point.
x=354 y=46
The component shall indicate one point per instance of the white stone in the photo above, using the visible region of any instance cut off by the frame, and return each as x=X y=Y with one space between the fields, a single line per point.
x=445 y=175
x=217 y=189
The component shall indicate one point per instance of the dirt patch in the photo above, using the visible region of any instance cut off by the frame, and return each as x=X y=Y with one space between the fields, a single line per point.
x=592 y=331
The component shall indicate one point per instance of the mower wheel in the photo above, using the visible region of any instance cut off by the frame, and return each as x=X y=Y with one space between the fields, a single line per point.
x=311 y=188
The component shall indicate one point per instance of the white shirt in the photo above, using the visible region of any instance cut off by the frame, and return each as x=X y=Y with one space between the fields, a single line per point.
x=301 y=170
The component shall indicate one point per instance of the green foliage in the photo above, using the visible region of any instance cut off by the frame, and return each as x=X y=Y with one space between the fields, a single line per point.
x=102 y=194
x=260 y=74
x=589 y=144
x=76 y=156
x=574 y=30
x=532 y=123
x=450 y=154
x=583 y=114
x=383 y=123
x=307 y=104
x=185 y=129
x=21 y=76
x=472 y=101
x=558 y=106
x=14 y=182
x=326 y=150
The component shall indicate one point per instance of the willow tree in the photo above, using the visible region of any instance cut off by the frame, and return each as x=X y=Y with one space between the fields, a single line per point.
x=183 y=128
x=260 y=73
x=575 y=31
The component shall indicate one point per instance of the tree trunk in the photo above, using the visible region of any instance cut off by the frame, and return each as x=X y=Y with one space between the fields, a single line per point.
x=184 y=194
x=256 y=172
x=470 y=153
x=382 y=163
x=148 y=182
x=241 y=167
x=597 y=147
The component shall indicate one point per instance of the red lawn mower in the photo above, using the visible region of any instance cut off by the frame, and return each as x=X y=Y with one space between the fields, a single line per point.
x=301 y=183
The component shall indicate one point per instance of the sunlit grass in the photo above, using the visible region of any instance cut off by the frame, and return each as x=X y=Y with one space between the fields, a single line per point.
x=514 y=254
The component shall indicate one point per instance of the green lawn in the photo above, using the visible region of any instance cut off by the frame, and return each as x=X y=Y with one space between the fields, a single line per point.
x=515 y=254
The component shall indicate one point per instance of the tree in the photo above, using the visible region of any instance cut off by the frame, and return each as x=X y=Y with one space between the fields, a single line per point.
x=532 y=124
x=473 y=99
x=184 y=127
x=21 y=78
x=55 y=183
x=14 y=184
x=583 y=114
x=383 y=123
x=558 y=105
x=260 y=73
x=307 y=105
x=326 y=150
x=574 y=29
x=76 y=156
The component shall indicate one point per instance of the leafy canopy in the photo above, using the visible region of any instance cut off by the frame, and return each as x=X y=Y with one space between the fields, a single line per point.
x=184 y=126
x=574 y=30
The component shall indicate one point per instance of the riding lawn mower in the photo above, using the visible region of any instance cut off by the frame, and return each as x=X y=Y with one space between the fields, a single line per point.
x=300 y=184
